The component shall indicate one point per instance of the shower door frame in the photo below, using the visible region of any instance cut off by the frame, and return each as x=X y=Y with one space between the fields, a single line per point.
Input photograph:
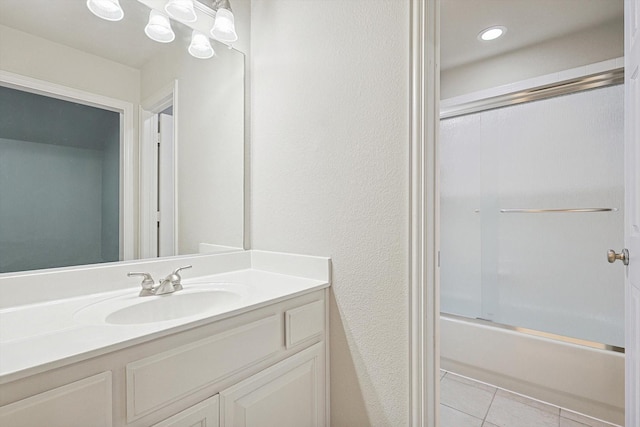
x=125 y=109
x=424 y=295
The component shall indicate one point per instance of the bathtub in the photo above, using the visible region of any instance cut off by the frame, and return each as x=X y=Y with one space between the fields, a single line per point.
x=572 y=376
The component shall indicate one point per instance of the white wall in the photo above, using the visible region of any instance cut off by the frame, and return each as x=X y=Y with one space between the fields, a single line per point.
x=330 y=167
x=574 y=50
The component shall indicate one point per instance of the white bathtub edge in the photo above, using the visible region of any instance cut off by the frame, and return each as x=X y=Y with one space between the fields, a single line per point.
x=578 y=378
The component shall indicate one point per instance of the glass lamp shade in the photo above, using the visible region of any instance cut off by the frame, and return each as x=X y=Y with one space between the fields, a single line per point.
x=223 y=27
x=200 y=46
x=182 y=10
x=106 y=9
x=159 y=28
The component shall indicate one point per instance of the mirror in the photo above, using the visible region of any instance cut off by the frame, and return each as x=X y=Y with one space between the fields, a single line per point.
x=182 y=198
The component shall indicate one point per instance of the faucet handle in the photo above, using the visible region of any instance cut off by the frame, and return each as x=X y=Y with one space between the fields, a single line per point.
x=175 y=277
x=179 y=269
x=147 y=283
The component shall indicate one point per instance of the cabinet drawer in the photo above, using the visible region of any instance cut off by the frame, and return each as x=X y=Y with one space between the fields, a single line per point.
x=303 y=323
x=82 y=403
x=159 y=380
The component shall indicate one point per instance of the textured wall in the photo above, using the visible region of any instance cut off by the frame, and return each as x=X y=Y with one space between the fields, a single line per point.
x=330 y=168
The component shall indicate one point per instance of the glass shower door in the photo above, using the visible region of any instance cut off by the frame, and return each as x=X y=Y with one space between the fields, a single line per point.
x=541 y=205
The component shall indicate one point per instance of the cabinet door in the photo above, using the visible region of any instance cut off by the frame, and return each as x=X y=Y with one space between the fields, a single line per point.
x=83 y=403
x=204 y=414
x=288 y=394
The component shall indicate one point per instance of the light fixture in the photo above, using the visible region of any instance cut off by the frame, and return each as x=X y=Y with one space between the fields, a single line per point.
x=182 y=10
x=200 y=46
x=159 y=27
x=492 y=33
x=106 y=9
x=224 y=28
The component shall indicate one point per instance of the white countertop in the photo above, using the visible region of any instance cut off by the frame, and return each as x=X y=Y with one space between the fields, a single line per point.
x=45 y=335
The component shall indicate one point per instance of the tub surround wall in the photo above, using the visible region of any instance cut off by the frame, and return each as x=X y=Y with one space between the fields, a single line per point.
x=329 y=175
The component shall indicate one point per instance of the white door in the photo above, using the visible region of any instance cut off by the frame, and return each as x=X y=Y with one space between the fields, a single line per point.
x=166 y=187
x=157 y=185
x=632 y=210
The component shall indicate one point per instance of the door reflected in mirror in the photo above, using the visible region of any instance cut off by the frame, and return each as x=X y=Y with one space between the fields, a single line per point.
x=170 y=182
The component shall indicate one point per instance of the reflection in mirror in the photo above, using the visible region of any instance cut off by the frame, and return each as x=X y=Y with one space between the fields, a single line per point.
x=113 y=146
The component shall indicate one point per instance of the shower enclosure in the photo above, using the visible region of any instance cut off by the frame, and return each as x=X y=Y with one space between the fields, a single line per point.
x=531 y=200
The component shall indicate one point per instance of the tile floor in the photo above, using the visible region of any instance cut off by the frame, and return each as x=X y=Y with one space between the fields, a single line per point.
x=468 y=403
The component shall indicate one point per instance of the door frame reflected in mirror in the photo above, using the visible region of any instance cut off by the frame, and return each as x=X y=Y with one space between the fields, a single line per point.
x=150 y=108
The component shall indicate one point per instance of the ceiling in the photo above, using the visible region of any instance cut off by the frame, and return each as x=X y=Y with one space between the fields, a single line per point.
x=528 y=22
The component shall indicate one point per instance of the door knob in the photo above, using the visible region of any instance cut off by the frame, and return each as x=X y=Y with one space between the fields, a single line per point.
x=623 y=256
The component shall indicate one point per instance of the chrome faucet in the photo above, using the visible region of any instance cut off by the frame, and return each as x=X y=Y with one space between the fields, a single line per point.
x=171 y=283
x=168 y=285
x=147 y=284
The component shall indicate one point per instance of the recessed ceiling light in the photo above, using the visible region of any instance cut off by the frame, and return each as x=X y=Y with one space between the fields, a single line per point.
x=492 y=33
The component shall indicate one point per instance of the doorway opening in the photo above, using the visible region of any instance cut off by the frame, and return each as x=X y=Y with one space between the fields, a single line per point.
x=158 y=213
x=63 y=171
x=543 y=181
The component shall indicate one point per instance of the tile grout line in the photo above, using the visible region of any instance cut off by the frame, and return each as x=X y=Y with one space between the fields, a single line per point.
x=484 y=420
x=462 y=412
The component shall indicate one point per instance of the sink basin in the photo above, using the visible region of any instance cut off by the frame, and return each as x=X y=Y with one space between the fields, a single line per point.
x=190 y=302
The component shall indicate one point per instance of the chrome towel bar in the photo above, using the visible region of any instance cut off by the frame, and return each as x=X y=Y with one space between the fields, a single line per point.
x=573 y=210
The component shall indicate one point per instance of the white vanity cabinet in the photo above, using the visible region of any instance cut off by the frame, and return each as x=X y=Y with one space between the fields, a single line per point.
x=263 y=367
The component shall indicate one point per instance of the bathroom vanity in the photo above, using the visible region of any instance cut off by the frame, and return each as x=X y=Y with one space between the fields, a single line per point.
x=243 y=344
